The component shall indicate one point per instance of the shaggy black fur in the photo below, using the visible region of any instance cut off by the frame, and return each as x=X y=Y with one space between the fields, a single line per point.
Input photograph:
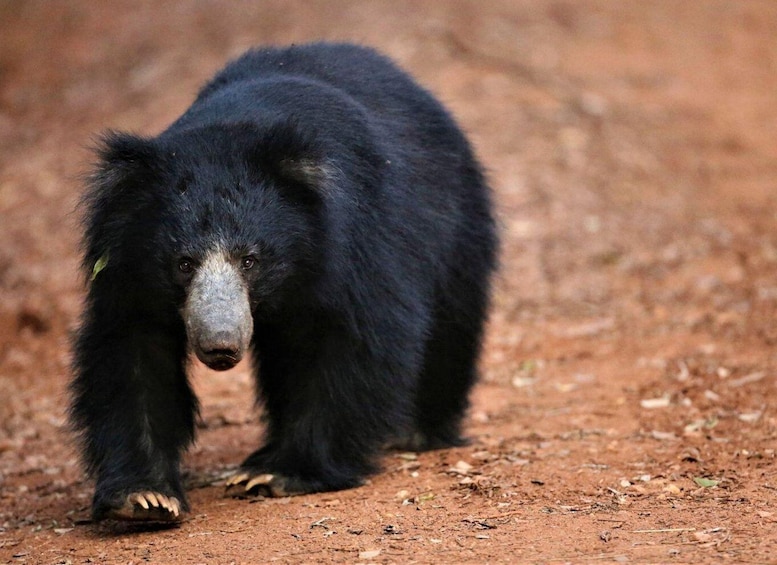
x=375 y=240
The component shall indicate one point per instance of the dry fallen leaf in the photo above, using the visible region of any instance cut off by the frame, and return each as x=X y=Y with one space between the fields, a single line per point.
x=747 y=379
x=461 y=468
x=768 y=516
x=750 y=417
x=565 y=387
x=652 y=403
x=521 y=382
x=672 y=489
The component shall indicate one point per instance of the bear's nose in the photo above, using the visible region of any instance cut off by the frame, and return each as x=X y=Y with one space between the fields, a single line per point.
x=221 y=351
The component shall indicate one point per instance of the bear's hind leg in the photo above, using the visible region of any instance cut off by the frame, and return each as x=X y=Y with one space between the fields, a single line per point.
x=449 y=372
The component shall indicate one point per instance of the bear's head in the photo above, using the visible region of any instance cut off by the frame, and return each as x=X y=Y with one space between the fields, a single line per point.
x=213 y=225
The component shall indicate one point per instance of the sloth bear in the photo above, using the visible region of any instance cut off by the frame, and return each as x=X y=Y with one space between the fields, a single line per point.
x=315 y=207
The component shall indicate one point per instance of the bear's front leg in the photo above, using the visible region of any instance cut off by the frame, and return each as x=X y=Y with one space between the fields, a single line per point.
x=330 y=409
x=135 y=411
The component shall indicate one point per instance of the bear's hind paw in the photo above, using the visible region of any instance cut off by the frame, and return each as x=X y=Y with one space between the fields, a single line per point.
x=148 y=506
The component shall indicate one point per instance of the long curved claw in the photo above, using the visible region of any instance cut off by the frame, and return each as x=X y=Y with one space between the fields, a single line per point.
x=148 y=506
x=265 y=479
x=237 y=479
x=246 y=484
x=139 y=499
x=152 y=499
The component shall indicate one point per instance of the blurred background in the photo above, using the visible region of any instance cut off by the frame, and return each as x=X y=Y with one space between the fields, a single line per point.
x=632 y=150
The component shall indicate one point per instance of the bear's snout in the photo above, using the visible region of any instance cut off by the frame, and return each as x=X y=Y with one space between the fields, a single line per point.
x=217 y=314
x=220 y=351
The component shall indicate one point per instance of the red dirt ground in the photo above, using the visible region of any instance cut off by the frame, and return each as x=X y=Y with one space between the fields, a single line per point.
x=625 y=409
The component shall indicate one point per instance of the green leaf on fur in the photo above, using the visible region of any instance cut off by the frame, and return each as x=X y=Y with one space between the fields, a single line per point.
x=99 y=265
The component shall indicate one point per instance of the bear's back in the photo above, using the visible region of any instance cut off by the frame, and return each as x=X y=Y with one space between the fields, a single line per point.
x=346 y=85
x=360 y=72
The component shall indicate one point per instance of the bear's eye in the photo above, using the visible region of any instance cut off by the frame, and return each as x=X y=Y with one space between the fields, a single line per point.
x=247 y=262
x=186 y=266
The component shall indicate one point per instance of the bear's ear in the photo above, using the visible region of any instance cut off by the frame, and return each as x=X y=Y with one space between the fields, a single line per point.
x=123 y=173
x=295 y=155
x=123 y=157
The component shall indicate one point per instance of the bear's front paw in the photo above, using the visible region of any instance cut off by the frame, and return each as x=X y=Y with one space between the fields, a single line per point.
x=147 y=506
x=246 y=483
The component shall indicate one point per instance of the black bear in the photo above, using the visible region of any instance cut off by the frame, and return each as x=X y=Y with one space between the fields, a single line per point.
x=316 y=207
